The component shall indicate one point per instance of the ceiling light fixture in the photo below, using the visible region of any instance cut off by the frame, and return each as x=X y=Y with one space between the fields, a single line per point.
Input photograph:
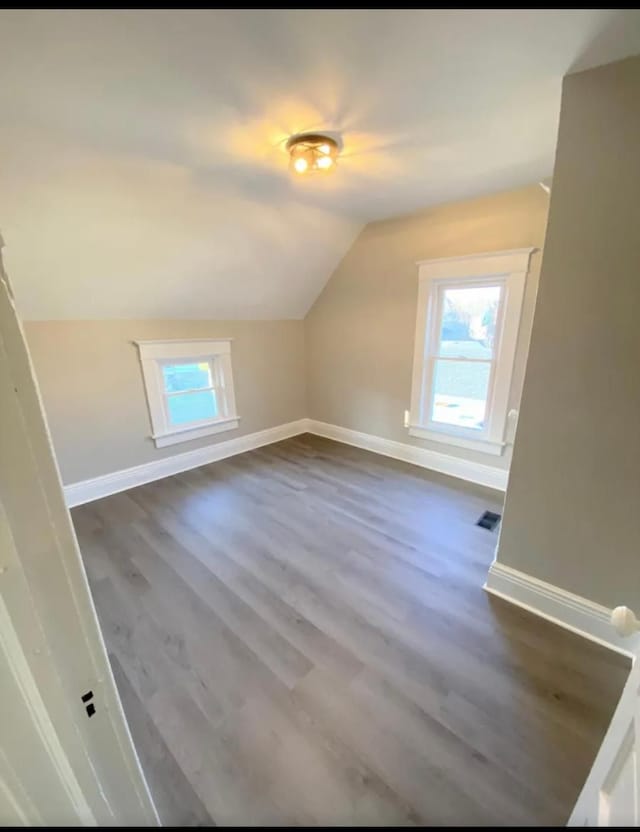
x=312 y=152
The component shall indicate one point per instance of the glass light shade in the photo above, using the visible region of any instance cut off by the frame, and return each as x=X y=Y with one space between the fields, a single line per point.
x=312 y=153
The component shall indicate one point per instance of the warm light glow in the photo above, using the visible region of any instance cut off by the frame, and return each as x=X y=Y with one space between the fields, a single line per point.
x=312 y=152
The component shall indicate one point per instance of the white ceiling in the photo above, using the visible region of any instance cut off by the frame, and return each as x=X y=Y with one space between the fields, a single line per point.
x=142 y=170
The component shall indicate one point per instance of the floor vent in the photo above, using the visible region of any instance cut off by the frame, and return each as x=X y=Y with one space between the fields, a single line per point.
x=489 y=520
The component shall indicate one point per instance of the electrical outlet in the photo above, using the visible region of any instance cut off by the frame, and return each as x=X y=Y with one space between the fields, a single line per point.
x=406 y=418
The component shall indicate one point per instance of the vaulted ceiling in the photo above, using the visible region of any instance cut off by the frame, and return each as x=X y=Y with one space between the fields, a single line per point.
x=142 y=162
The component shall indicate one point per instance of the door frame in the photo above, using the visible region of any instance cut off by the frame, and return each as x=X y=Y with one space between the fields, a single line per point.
x=52 y=642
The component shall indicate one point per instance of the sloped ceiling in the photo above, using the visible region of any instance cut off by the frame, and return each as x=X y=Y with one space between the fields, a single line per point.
x=142 y=167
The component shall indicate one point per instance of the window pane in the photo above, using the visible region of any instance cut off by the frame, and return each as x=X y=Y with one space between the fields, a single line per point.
x=186 y=376
x=460 y=393
x=469 y=322
x=192 y=407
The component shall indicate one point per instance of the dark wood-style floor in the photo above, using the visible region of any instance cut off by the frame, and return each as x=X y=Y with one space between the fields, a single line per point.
x=300 y=636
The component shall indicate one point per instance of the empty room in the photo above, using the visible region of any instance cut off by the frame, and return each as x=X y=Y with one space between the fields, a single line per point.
x=319 y=448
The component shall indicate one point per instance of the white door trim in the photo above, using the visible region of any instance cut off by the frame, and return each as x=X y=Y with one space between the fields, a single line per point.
x=55 y=594
x=41 y=719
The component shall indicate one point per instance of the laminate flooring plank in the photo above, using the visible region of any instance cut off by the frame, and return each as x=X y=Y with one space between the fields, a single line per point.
x=176 y=801
x=300 y=637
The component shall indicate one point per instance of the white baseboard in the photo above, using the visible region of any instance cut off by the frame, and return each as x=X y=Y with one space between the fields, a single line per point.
x=454 y=466
x=86 y=490
x=570 y=611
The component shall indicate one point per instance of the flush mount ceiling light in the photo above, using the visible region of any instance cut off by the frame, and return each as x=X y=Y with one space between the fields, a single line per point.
x=312 y=153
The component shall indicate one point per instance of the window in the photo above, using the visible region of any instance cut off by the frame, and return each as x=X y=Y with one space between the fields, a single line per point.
x=466 y=335
x=189 y=388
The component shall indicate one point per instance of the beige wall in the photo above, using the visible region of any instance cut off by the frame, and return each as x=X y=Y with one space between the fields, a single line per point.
x=573 y=506
x=91 y=383
x=360 y=332
x=359 y=345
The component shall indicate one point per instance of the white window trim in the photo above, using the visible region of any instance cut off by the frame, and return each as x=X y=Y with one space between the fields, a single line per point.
x=153 y=354
x=509 y=268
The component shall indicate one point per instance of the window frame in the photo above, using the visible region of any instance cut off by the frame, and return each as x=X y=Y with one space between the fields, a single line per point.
x=509 y=270
x=154 y=355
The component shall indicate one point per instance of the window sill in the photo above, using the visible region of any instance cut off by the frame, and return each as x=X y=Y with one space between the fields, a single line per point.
x=186 y=434
x=484 y=446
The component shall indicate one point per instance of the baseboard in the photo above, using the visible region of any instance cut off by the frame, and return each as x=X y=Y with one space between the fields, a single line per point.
x=570 y=611
x=84 y=491
x=454 y=466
